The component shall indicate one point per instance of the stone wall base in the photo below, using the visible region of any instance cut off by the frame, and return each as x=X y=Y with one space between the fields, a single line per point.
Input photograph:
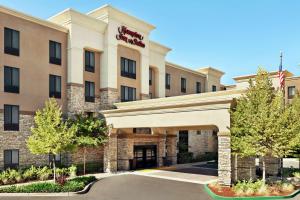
x=243 y=168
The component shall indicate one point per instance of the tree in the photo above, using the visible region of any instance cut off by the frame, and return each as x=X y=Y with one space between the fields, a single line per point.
x=91 y=132
x=261 y=124
x=51 y=135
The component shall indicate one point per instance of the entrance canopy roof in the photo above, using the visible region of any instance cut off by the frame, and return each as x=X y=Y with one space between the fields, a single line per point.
x=204 y=109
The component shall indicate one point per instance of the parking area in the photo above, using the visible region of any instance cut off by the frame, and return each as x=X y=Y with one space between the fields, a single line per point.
x=201 y=173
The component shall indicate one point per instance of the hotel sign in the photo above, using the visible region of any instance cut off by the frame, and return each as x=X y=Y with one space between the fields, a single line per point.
x=130 y=37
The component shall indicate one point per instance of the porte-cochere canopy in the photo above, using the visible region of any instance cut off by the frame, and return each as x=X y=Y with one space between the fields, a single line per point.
x=196 y=110
x=181 y=111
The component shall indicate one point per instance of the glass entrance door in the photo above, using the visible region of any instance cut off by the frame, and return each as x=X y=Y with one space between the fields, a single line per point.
x=145 y=156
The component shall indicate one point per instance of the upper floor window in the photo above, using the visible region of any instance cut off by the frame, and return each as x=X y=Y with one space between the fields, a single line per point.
x=55 y=86
x=168 y=81
x=198 y=87
x=11 y=118
x=11 y=42
x=128 y=94
x=55 y=52
x=89 y=91
x=213 y=88
x=89 y=61
x=291 y=91
x=183 y=85
x=128 y=68
x=141 y=130
x=11 y=79
x=150 y=76
x=11 y=158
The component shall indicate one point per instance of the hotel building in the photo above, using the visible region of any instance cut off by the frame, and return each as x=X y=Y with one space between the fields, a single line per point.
x=103 y=63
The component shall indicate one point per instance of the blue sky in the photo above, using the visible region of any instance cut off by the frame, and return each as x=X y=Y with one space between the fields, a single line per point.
x=236 y=36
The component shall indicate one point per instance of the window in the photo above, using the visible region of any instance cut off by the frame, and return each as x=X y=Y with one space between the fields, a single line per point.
x=55 y=86
x=56 y=158
x=168 y=81
x=89 y=61
x=291 y=91
x=128 y=68
x=198 y=87
x=150 y=76
x=214 y=88
x=89 y=91
x=11 y=158
x=11 y=79
x=11 y=118
x=11 y=42
x=54 y=52
x=183 y=85
x=128 y=94
x=89 y=114
x=183 y=143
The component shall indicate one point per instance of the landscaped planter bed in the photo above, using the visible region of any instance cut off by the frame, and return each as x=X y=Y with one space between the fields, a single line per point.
x=71 y=185
x=226 y=193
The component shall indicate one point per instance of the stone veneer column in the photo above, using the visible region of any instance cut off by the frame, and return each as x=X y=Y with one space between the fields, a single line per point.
x=224 y=161
x=108 y=96
x=110 y=152
x=75 y=98
x=161 y=150
x=125 y=151
x=171 y=146
x=243 y=168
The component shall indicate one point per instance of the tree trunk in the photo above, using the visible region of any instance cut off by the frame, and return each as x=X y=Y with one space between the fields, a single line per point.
x=84 y=153
x=235 y=167
x=281 y=168
x=54 y=170
x=264 y=169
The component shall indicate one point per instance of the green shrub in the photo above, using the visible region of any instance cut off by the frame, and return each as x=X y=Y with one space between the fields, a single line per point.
x=287 y=187
x=208 y=156
x=296 y=174
x=30 y=173
x=72 y=185
x=44 y=173
x=185 y=157
x=72 y=171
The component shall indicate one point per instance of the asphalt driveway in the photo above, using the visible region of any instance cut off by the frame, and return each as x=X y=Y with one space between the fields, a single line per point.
x=134 y=187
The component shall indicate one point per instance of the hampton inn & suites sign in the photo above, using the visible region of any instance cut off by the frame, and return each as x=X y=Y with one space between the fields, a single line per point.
x=130 y=37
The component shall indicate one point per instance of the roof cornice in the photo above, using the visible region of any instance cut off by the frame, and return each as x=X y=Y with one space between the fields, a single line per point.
x=170 y=64
x=154 y=46
x=109 y=12
x=72 y=16
x=32 y=19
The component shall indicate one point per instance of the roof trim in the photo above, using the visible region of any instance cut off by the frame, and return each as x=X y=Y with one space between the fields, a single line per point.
x=246 y=77
x=32 y=19
x=70 y=15
x=170 y=64
x=155 y=46
x=184 y=100
x=107 y=11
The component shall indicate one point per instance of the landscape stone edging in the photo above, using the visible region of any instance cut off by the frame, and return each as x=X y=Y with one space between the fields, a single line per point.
x=218 y=197
x=61 y=194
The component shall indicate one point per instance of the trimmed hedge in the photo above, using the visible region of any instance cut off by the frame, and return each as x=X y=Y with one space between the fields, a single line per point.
x=72 y=185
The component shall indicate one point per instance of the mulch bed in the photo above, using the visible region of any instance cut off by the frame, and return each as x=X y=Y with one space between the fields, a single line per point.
x=228 y=192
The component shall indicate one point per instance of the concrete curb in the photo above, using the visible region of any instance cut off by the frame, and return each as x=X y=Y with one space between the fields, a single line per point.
x=59 y=194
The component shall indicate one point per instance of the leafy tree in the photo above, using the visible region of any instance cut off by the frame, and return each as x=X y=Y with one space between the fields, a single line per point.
x=91 y=132
x=261 y=124
x=51 y=135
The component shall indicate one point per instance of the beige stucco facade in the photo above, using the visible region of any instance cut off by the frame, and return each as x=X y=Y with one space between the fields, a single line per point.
x=135 y=127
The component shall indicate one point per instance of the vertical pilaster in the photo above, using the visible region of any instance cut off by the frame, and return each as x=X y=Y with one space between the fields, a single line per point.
x=224 y=161
x=110 y=152
x=171 y=146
